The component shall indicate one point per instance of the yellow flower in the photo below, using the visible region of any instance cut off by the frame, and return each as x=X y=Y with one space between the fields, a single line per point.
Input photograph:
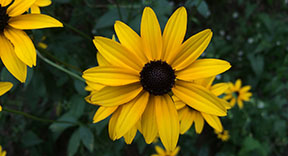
x=237 y=93
x=188 y=115
x=2 y=152
x=162 y=152
x=135 y=77
x=17 y=50
x=224 y=135
x=35 y=8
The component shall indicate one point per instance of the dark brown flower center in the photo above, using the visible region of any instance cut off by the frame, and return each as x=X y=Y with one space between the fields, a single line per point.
x=157 y=77
x=3 y=18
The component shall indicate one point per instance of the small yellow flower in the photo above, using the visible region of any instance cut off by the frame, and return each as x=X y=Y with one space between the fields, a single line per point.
x=161 y=152
x=236 y=93
x=35 y=8
x=2 y=152
x=135 y=78
x=188 y=115
x=17 y=50
x=224 y=135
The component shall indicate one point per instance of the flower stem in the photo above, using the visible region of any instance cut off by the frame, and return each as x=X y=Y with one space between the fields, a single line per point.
x=35 y=117
x=60 y=67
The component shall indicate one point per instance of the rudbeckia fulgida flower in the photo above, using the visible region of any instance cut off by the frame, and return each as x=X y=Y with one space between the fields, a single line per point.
x=237 y=93
x=17 y=51
x=136 y=77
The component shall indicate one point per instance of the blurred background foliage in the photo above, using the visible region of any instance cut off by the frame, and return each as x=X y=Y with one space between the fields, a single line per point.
x=250 y=34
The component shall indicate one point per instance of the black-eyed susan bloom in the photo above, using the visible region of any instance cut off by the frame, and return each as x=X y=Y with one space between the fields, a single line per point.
x=161 y=152
x=35 y=8
x=17 y=50
x=188 y=115
x=139 y=74
x=4 y=87
x=237 y=93
x=224 y=135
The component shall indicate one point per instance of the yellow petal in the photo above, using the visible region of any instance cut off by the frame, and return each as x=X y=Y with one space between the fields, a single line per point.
x=95 y=86
x=18 y=7
x=178 y=103
x=101 y=60
x=167 y=121
x=148 y=122
x=246 y=96
x=35 y=9
x=103 y=112
x=240 y=103
x=188 y=117
x=33 y=21
x=116 y=54
x=160 y=150
x=174 y=33
x=5 y=2
x=199 y=98
x=13 y=64
x=203 y=68
x=113 y=96
x=238 y=84
x=191 y=49
x=232 y=102
x=130 y=135
x=0 y=111
x=213 y=121
x=23 y=46
x=112 y=124
x=5 y=87
x=206 y=82
x=43 y=3
x=131 y=113
x=219 y=88
x=245 y=89
x=131 y=40
x=151 y=35
x=199 y=122
x=111 y=75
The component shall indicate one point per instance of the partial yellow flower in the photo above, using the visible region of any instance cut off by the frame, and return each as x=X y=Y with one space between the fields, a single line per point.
x=188 y=115
x=4 y=87
x=2 y=152
x=138 y=74
x=17 y=50
x=237 y=93
x=224 y=135
x=161 y=152
x=35 y=8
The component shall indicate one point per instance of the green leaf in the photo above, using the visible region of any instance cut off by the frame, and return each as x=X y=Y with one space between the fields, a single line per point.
x=87 y=138
x=74 y=143
x=60 y=127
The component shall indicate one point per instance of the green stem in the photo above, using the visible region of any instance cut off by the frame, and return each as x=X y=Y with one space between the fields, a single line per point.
x=77 y=31
x=60 y=67
x=35 y=117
